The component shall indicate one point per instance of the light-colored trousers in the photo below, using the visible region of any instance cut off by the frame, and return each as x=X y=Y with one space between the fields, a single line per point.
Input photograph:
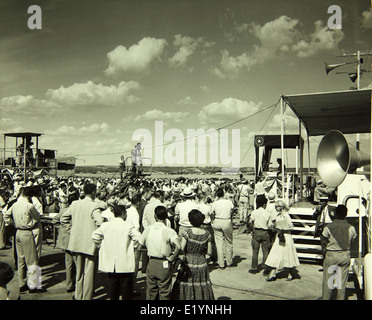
x=86 y=268
x=243 y=210
x=223 y=236
x=335 y=273
x=38 y=236
x=27 y=254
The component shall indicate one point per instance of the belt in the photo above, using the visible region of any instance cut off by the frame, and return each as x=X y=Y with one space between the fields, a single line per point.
x=260 y=229
x=338 y=250
x=206 y=224
x=157 y=258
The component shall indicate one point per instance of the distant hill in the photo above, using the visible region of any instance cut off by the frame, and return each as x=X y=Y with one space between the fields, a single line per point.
x=173 y=170
x=166 y=170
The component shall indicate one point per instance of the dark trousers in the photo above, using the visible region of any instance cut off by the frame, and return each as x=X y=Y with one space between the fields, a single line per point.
x=158 y=280
x=260 y=238
x=121 y=284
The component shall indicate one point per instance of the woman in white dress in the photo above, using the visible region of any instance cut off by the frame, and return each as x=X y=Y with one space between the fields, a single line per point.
x=283 y=253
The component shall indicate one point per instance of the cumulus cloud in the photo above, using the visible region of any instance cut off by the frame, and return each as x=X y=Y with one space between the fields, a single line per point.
x=322 y=39
x=28 y=106
x=96 y=139
x=187 y=46
x=69 y=131
x=276 y=38
x=158 y=115
x=229 y=109
x=90 y=93
x=137 y=58
x=290 y=122
x=366 y=20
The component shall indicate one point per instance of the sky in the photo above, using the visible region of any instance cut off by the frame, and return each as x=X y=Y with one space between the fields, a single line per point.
x=100 y=76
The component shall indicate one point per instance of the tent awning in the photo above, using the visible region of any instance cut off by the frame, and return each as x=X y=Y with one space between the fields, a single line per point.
x=346 y=111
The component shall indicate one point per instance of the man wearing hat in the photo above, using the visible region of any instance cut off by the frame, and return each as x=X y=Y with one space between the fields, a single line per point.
x=339 y=235
x=182 y=210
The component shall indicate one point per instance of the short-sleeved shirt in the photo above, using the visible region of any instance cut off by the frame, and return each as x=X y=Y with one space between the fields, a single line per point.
x=261 y=218
x=222 y=208
x=339 y=233
x=182 y=209
x=158 y=238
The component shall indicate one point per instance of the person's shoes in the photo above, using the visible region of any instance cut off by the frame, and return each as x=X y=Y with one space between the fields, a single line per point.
x=266 y=272
x=222 y=268
x=70 y=290
x=24 y=288
x=232 y=265
x=253 y=270
x=271 y=278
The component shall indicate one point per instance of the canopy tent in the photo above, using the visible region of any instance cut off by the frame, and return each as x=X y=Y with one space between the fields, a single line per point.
x=346 y=111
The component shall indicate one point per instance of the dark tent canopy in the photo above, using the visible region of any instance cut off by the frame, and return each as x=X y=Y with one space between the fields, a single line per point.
x=346 y=111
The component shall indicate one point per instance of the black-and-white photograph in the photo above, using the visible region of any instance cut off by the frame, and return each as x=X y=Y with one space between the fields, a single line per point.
x=185 y=150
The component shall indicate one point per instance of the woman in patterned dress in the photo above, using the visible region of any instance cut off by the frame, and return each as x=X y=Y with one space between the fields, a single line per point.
x=193 y=281
x=283 y=253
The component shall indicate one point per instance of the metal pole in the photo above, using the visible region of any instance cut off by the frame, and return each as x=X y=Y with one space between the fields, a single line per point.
x=24 y=159
x=360 y=229
x=358 y=87
x=282 y=141
x=301 y=161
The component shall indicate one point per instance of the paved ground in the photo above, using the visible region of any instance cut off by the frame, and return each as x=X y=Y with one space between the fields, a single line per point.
x=234 y=283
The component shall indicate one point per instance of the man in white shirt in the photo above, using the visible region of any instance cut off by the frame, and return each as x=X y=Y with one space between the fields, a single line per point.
x=148 y=217
x=261 y=221
x=182 y=210
x=243 y=201
x=26 y=220
x=159 y=240
x=115 y=240
x=223 y=230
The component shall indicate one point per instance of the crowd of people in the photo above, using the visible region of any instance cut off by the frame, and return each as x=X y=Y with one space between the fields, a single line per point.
x=161 y=226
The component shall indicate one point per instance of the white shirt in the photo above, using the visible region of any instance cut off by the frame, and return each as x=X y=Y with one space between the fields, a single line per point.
x=206 y=209
x=261 y=218
x=159 y=239
x=115 y=240
x=133 y=217
x=38 y=206
x=182 y=209
x=148 y=218
x=222 y=208
x=271 y=209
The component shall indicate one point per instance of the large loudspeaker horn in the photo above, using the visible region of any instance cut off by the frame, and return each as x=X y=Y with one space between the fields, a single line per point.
x=330 y=67
x=336 y=158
